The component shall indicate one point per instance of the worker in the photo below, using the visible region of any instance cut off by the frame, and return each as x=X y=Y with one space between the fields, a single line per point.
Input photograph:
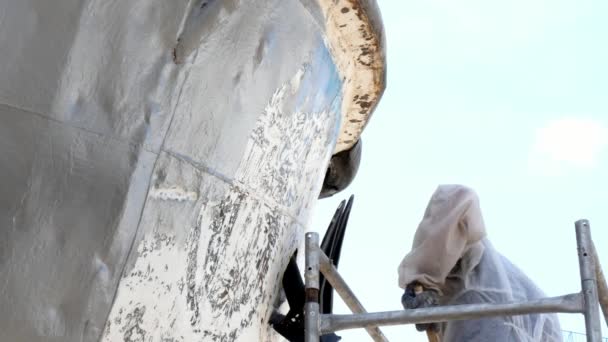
x=453 y=262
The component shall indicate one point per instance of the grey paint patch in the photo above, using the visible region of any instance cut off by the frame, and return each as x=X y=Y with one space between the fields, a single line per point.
x=70 y=202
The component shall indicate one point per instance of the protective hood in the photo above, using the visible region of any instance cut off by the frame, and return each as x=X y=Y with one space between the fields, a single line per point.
x=451 y=227
x=451 y=254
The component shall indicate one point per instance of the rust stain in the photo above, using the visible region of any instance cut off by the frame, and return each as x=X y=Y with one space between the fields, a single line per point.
x=358 y=47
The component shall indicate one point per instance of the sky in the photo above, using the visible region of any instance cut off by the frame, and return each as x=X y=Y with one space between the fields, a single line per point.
x=509 y=98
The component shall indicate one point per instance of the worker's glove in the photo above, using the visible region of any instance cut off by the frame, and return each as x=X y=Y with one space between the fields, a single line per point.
x=424 y=299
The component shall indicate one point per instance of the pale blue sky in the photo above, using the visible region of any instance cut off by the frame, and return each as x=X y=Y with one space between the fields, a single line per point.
x=507 y=97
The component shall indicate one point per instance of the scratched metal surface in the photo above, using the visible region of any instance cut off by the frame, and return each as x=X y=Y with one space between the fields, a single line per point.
x=158 y=162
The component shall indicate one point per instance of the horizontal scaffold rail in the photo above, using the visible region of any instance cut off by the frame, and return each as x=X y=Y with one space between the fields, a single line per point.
x=572 y=303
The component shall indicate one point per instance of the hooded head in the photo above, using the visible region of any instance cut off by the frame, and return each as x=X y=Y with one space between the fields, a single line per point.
x=451 y=225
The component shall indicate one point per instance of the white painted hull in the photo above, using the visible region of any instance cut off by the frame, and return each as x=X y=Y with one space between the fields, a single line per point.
x=160 y=161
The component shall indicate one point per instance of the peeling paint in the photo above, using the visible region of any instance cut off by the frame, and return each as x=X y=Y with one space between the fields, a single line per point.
x=217 y=280
x=269 y=170
x=211 y=286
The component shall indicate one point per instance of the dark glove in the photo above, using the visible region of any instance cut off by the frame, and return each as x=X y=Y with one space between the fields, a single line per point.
x=424 y=299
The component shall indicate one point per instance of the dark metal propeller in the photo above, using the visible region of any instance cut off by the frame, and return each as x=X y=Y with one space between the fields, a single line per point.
x=291 y=326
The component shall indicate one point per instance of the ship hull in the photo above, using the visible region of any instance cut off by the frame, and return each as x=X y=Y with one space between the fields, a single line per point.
x=159 y=163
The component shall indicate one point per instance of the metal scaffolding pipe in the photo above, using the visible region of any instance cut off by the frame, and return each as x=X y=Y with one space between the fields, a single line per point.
x=572 y=303
x=588 y=281
x=311 y=283
x=602 y=287
x=594 y=294
x=348 y=296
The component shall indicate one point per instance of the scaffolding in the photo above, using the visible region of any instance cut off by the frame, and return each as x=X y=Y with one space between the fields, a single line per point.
x=572 y=336
x=594 y=294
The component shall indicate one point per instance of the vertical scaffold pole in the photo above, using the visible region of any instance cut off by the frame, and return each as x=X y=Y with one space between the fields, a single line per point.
x=588 y=281
x=602 y=285
x=311 y=283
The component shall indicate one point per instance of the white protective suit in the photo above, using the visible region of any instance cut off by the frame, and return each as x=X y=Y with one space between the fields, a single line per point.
x=452 y=255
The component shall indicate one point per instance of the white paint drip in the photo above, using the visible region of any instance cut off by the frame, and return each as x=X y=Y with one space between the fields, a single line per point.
x=296 y=80
x=173 y=194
